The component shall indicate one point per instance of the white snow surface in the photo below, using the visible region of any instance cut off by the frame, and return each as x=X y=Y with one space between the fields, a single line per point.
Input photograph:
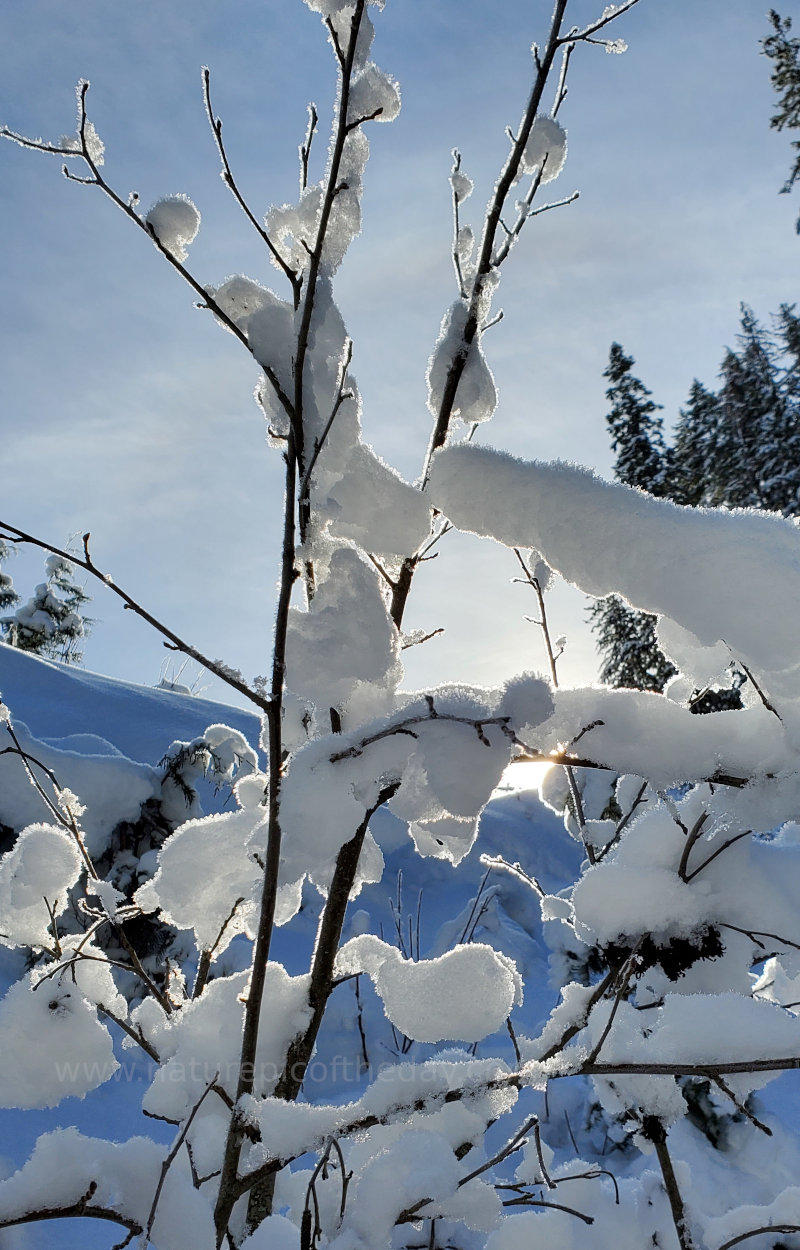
x=174 y=220
x=461 y=996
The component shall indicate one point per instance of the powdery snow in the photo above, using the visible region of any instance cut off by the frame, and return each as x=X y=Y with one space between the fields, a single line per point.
x=710 y=570
x=463 y=995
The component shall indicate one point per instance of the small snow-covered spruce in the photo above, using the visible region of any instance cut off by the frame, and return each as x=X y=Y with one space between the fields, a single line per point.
x=652 y=933
x=51 y=622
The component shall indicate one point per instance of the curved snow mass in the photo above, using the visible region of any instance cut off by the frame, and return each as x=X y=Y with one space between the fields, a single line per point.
x=711 y=570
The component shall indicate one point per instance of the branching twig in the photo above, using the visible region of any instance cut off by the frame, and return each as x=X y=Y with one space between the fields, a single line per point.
x=170 y=1159
x=227 y=177
x=609 y=15
x=723 y=847
x=622 y=990
x=623 y=822
x=402 y=727
x=741 y=1107
x=206 y=956
x=692 y=836
x=756 y=1232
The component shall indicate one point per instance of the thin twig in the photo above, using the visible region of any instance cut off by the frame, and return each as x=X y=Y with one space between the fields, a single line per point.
x=497 y=861
x=723 y=847
x=609 y=15
x=692 y=836
x=341 y=396
x=170 y=1159
x=623 y=822
x=204 y=965
x=741 y=1107
x=622 y=990
x=756 y=1232
x=230 y=182
x=135 y=1034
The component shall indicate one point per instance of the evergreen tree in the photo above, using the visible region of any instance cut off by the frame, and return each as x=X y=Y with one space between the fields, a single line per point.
x=627 y=641
x=8 y=595
x=783 y=50
x=750 y=455
x=627 y=638
x=694 y=447
x=787 y=328
x=739 y=447
x=636 y=431
x=50 y=624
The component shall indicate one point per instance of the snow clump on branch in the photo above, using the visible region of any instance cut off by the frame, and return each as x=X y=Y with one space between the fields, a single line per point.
x=174 y=222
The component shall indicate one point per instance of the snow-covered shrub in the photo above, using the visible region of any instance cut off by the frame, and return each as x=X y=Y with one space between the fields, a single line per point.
x=478 y=1107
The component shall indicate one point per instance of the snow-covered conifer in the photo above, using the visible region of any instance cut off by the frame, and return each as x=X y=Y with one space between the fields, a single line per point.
x=51 y=622
x=626 y=638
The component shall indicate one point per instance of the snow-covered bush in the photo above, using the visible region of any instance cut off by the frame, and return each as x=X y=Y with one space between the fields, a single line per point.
x=673 y=941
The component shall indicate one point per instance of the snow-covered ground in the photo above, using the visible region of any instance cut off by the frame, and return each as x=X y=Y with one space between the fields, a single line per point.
x=422 y=906
x=76 y=714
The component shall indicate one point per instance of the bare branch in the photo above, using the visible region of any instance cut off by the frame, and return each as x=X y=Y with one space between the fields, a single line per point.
x=756 y=1232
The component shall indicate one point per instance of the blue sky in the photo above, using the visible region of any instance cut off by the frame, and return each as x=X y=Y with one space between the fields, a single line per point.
x=129 y=413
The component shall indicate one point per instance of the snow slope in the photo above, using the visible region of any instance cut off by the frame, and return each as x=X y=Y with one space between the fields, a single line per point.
x=58 y=702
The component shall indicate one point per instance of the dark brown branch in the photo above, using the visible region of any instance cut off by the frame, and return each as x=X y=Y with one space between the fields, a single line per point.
x=723 y=847
x=692 y=836
x=76 y=1210
x=741 y=1107
x=654 y=1130
x=228 y=1186
x=402 y=727
x=532 y=756
x=135 y=1034
x=756 y=1232
x=527 y=1200
x=346 y=61
x=321 y=985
